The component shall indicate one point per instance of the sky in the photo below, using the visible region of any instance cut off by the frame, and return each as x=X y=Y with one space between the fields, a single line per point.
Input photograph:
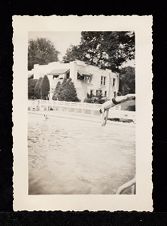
x=61 y=40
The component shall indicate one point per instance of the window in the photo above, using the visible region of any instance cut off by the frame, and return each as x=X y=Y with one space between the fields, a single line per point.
x=68 y=75
x=91 y=92
x=55 y=76
x=80 y=77
x=87 y=78
x=105 y=93
x=113 y=81
x=103 y=80
x=98 y=92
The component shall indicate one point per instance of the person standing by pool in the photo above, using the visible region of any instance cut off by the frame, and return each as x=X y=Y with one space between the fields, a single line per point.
x=104 y=110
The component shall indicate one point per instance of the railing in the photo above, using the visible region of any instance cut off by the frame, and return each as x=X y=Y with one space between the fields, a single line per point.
x=128 y=185
x=42 y=103
x=78 y=107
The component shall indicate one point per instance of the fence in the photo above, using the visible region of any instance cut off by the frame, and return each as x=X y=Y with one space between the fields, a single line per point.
x=78 y=107
x=45 y=104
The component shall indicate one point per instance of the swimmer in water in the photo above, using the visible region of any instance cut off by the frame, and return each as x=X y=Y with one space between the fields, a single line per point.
x=105 y=107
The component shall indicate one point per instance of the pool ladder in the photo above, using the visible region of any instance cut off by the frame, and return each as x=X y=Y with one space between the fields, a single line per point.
x=130 y=184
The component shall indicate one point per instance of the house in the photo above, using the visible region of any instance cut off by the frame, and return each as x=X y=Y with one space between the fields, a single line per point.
x=87 y=79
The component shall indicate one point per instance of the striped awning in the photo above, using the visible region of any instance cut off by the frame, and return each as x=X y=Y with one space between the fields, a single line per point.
x=84 y=73
x=84 y=76
x=58 y=71
x=30 y=76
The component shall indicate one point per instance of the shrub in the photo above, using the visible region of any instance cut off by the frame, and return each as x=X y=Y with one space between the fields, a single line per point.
x=31 y=88
x=56 y=91
x=42 y=87
x=95 y=99
x=37 y=92
x=128 y=105
x=66 y=91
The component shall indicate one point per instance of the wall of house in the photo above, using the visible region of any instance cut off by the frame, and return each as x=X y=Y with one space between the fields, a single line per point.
x=113 y=85
x=82 y=87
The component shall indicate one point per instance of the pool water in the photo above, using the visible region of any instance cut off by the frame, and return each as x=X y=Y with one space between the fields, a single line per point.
x=70 y=156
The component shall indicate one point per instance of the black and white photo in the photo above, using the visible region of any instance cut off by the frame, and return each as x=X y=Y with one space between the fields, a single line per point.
x=82 y=102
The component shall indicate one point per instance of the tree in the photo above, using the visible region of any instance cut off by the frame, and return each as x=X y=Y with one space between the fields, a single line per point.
x=44 y=88
x=37 y=89
x=73 y=53
x=31 y=87
x=66 y=91
x=103 y=49
x=56 y=91
x=127 y=80
x=41 y=51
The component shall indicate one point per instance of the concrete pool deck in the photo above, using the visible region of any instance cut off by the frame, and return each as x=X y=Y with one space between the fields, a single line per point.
x=69 y=155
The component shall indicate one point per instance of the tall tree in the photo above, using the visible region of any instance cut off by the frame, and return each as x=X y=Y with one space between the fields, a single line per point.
x=73 y=53
x=57 y=91
x=103 y=49
x=41 y=51
x=44 y=88
x=37 y=88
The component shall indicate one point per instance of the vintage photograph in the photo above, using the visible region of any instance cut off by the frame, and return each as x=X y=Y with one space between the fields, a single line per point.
x=82 y=112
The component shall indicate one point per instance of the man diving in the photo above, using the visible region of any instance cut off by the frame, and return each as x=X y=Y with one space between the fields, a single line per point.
x=105 y=107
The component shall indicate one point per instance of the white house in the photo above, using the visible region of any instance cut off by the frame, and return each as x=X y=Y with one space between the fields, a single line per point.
x=87 y=79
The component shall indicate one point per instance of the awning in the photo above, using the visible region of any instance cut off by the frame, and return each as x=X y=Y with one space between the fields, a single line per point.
x=30 y=76
x=58 y=71
x=84 y=73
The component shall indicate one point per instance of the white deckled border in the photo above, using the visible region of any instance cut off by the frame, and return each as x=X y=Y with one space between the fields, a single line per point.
x=142 y=25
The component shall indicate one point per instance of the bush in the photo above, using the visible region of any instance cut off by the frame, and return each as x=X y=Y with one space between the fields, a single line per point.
x=95 y=99
x=31 y=88
x=42 y=87
x=128 y=105
x=88 y=100
x=65 y=91
x=37 y=91
x=57 y=91
x=127 y=80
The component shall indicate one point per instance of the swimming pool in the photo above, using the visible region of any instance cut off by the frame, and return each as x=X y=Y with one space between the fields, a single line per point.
x=72 y=156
